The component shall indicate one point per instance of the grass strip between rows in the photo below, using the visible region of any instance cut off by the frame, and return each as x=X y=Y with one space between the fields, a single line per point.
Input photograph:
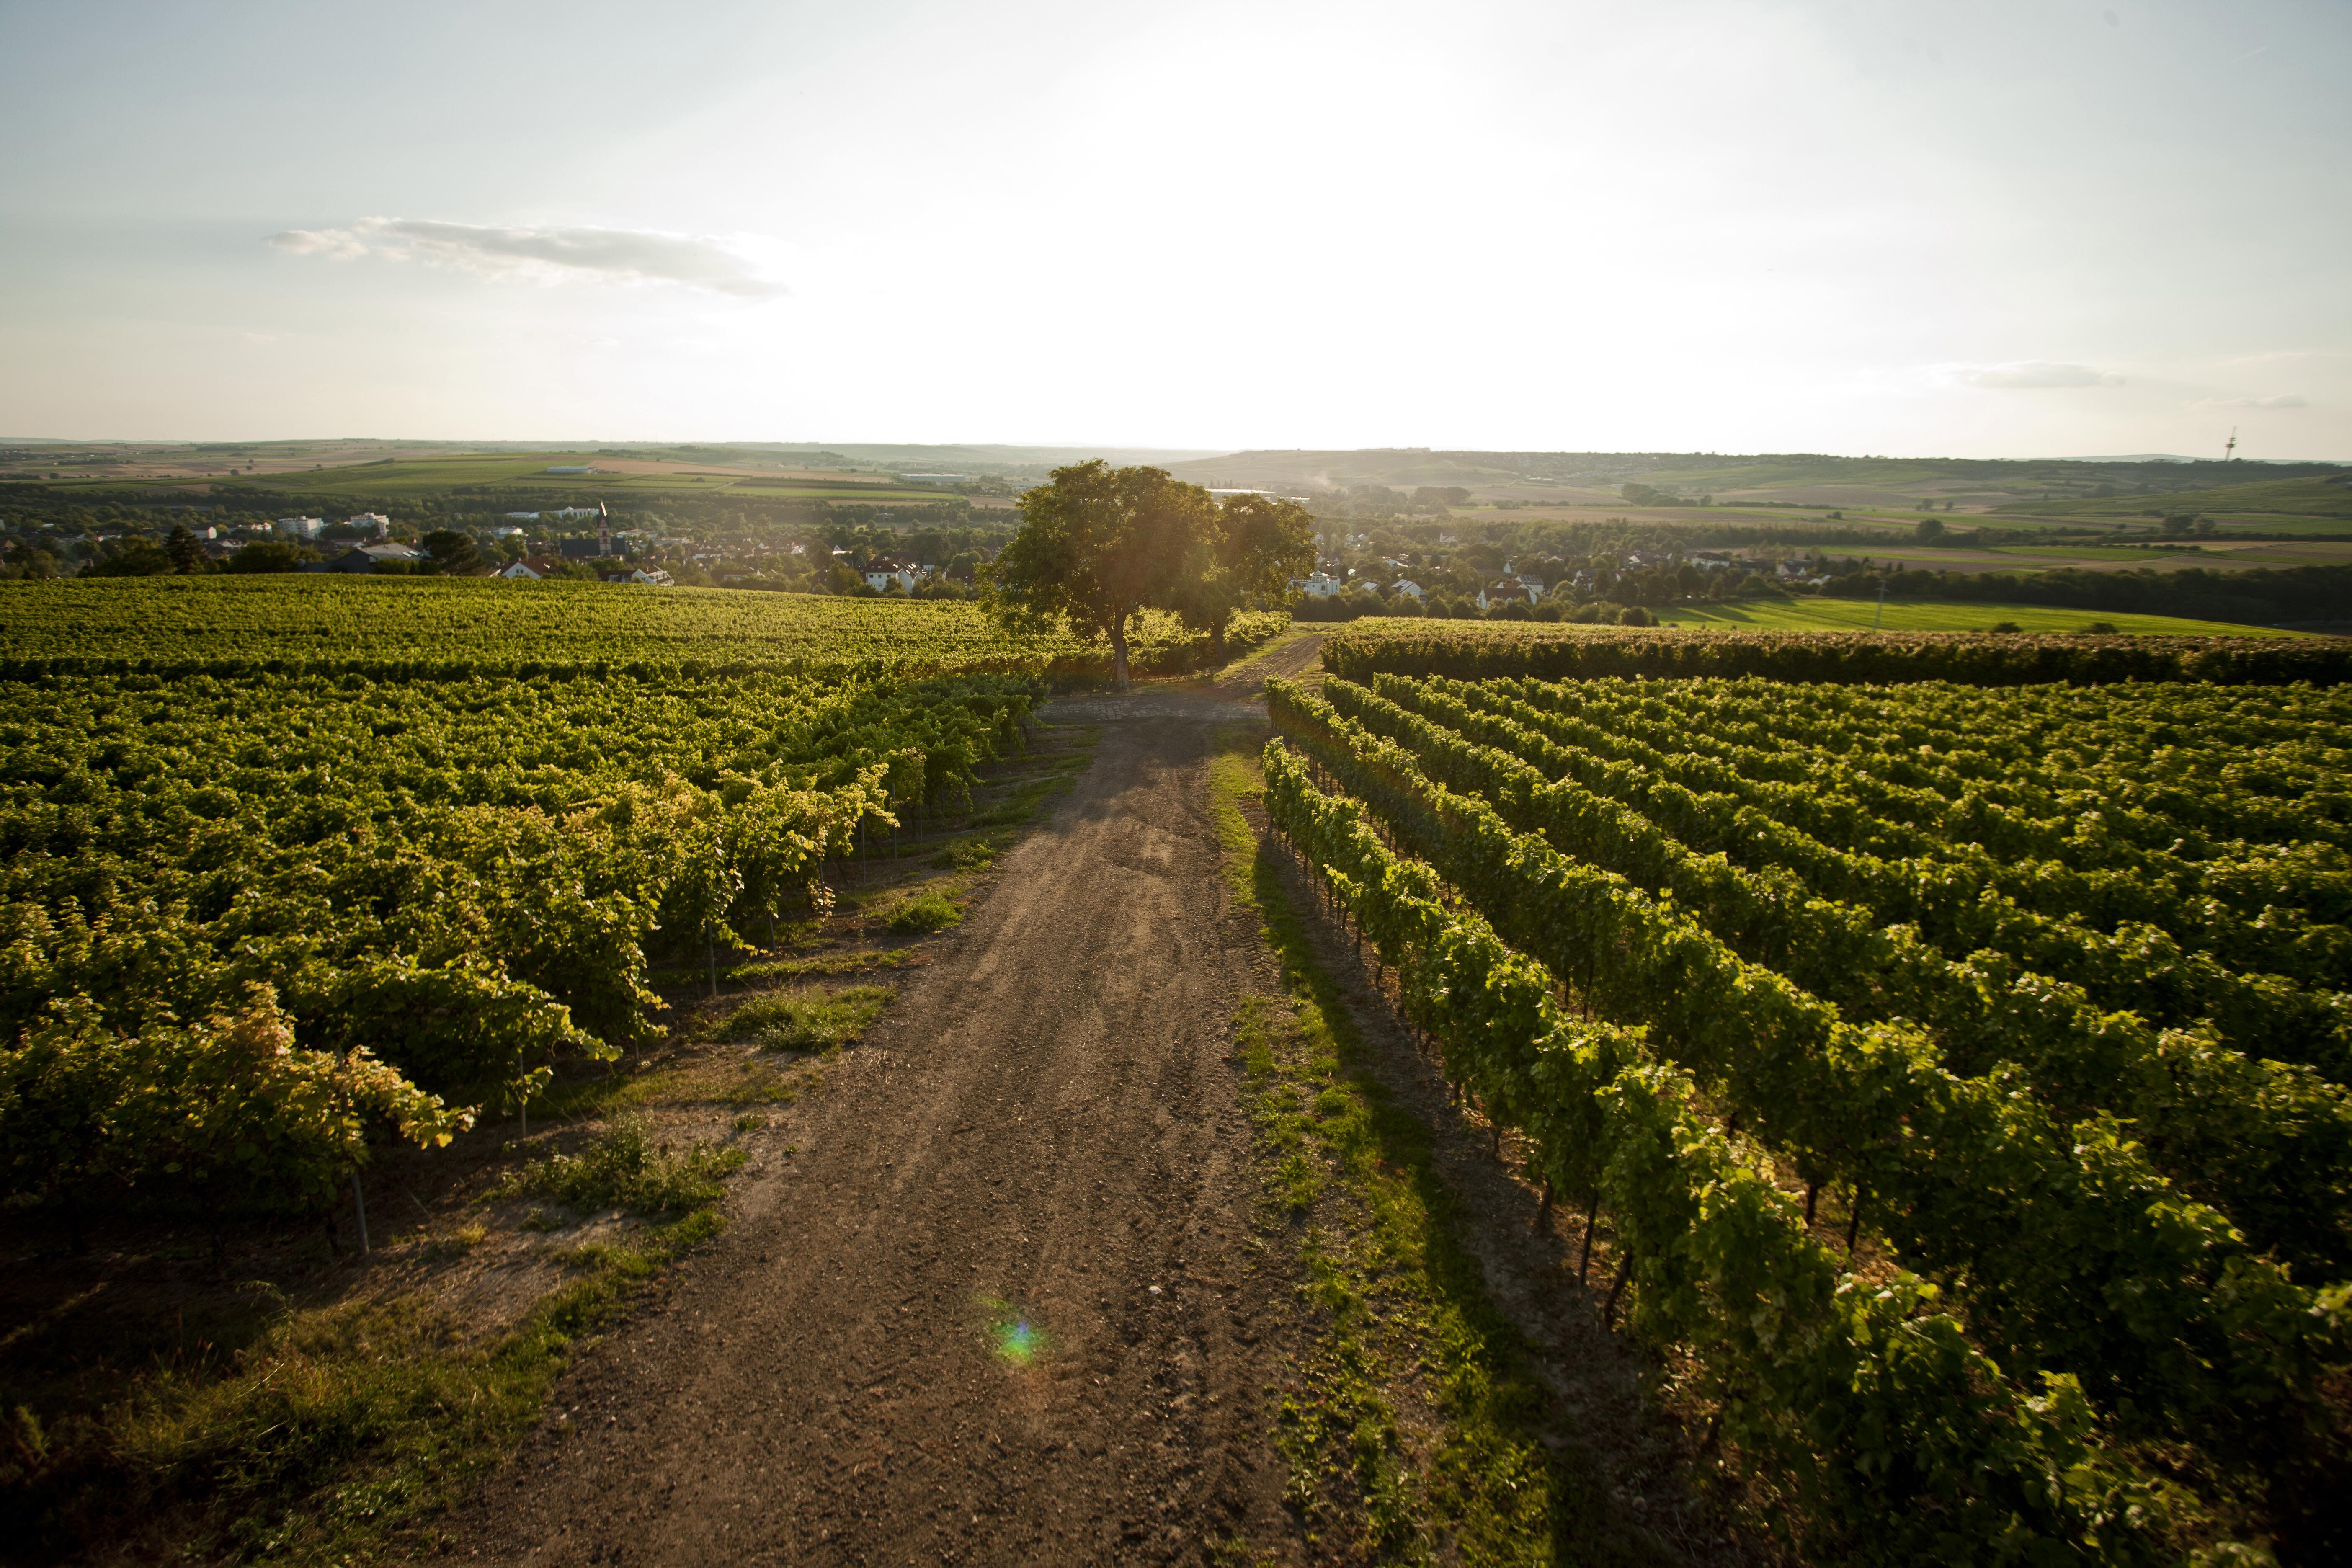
x=1415 y=1422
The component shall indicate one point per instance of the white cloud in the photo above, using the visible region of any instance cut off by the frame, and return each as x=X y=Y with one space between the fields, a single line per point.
x=542 y=255
x=2284 y=400
x=2031 y=373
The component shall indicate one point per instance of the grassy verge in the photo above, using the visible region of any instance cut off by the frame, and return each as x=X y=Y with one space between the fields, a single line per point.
x=814 y=1020
x=1282 y=639
x=315 y=1435
x=1414 y=1428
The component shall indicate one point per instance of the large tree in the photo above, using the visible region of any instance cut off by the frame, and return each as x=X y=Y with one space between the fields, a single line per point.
x=452 y=552
x=1253 y=547
x=1096 y=546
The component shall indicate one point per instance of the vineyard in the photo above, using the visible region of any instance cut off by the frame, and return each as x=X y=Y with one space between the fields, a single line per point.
x=288 y=863
x=1474 y=650
x=244 y=918
x=427 y=625
x=1945 y=1078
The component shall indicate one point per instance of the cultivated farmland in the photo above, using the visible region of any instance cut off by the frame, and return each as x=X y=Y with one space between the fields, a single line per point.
x=1884 y=1042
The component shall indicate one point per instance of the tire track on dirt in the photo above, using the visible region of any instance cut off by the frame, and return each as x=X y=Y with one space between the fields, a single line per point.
x=1003 y=1304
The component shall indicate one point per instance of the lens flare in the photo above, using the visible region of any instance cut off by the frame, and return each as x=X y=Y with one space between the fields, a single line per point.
x=1015 y=1340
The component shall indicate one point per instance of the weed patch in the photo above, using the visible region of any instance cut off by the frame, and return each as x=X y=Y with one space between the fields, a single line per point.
x=927 y=911
x=975 y=854
x=808 y=1021
x=624 y=1169
x=808 y=968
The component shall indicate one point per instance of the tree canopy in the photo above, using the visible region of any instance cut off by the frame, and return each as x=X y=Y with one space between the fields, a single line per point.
x=1252 y=547
x=1098 y=544
x=451 y=551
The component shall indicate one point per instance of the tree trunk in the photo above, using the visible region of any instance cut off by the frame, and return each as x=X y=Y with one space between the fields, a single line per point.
x=1625 y=1273
x=1118 y=653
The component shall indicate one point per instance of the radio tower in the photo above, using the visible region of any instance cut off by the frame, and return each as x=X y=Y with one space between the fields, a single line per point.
x=2231 y=446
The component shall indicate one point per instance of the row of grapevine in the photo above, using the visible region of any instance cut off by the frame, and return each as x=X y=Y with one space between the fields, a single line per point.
x=1486 y=651
x=2191 y=755
x=2267 y=1142
x=1906 y=1442
x=2267 y=971
x=448 y=886
x=2279 y=907
x=2147 y=799
x=2065 y=1248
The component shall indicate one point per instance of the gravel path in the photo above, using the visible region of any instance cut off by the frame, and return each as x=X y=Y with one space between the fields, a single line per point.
x=1002 y=1305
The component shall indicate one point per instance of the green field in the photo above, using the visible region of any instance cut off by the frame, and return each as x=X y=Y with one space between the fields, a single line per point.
x=1935 y=616
x=2318 y=497
x=2087 y=552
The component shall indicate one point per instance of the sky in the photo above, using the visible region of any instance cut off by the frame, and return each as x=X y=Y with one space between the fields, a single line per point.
x=1989 y=229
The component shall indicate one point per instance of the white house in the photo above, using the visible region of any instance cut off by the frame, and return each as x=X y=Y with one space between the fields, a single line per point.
x=524 y=516
x=652 y=576
x=1507 y=588
x=1322 y=584
x=1410 y=589
x=885 y=574
x=370 y=524
x=299 y=527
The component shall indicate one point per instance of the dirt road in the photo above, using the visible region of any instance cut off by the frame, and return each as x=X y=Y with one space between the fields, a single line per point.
x=1002 y=1304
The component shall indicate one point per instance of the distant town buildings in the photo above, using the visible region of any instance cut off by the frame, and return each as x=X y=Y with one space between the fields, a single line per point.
x=299 y=527
x=1495 y=593
x=884 y=575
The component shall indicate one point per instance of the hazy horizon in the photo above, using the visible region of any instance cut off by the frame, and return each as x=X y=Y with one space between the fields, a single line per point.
x=1937 y=230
